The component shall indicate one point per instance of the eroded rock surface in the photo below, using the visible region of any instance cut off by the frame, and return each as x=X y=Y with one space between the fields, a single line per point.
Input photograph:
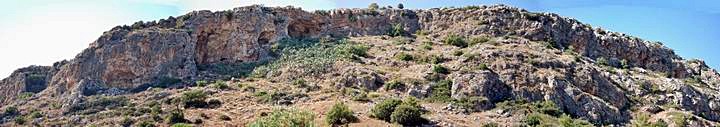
x=533 y=56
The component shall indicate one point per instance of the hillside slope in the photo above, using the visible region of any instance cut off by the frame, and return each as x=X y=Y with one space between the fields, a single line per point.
x=468 y=67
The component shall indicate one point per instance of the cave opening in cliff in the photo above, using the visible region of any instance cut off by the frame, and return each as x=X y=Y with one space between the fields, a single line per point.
x=265 y=37
x=302 y=29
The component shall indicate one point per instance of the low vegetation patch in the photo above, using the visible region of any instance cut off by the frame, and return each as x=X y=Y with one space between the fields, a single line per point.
x=25 y=95
x=396 y=30
x=432 y=59
x=543 y=113
x=441 y=92
x=11 y=110
x=440 y=69
x=285 y=118
x=478 y=40
x=456 y=41
x=309 y=56
x=100 y=103
x=194 y=98
x=176 y=116
x=393 y=84
x=407 y=112
x=220 y=84
x=339 y=114
x=404 y=56
x=643 y=120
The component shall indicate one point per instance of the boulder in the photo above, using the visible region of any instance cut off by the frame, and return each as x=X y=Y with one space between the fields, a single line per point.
x=482 y=83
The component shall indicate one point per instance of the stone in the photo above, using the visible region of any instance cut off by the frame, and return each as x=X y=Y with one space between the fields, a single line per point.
x=481 y=83
x=359 y=78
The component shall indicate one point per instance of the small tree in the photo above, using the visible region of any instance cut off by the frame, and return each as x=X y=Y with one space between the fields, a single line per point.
x=406 y=114
x=373 y=6
x=384 y=109
x=339 y=114
x=400 y=6
x=396 y=30
x=440 y=69
x=11 y=110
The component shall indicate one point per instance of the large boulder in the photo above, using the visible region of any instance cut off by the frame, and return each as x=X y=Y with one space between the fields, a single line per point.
x=482 y=83
x=360 y=78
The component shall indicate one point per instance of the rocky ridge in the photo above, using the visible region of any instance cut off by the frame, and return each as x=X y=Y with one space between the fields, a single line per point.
x=171 y=52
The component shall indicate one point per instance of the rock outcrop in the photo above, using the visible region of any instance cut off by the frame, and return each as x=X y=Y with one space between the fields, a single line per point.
x=483 y=83
x=168 y=53
x=32 y=79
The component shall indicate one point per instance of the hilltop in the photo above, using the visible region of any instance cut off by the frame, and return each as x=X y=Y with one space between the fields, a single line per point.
x=470 y=66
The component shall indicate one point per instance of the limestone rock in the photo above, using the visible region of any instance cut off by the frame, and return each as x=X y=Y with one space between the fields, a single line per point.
x=359 y=78
x=481 y=83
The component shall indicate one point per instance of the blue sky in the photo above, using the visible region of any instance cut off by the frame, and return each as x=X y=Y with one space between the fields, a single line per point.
x=40 y=32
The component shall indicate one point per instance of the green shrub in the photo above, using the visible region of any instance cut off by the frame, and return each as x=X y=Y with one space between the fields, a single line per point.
x=603 y=61
x=155 y=108
x=547 y=107
x=421 y=33
x=339 y=114
x=393 y=84
x=471 y=56
x=404 y=56
x=176 y=116
x=285 y=118
x=693 y=80
x=396 y=30
x=679 y=119
x=201 y=83
x=308 y=56
x=401 y=41
x=228 y=70
x=400 y=6
x=441 y=91
x=299 y=82
x=457 y=53
x=455 y=40
x=532 y=119
x=660 y=123
x=624 y=64
x=406 y=114
x=478 y=40
x=360 y=96
x=145 y=124
x=219 y=84
x=469 y=103
x=643 y=120
x=126 y=121
x=11 y=110
x=356 y=50
x=483 y=66
x=166 y=81
x=36 y=114
x=432 y=59
x=194 y=98
x=427 y=45
x=491 y=124
x=384 y=109
x=182 y=125
x=566 y=121
x=20 y=120
x=373 y=6
x=440 y=69
x=25 y=95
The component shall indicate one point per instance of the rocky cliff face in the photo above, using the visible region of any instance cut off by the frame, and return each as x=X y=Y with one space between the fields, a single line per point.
x=168 y=53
